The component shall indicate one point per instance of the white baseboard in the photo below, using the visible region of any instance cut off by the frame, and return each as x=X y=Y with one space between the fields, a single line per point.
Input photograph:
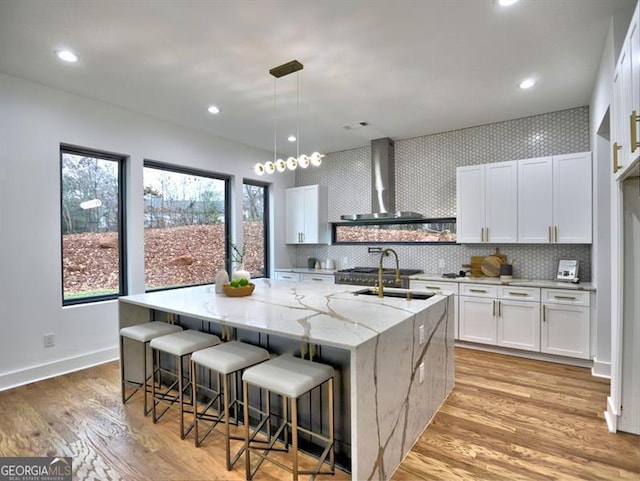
x=611 y=417
x=538 y=356
x=57 y=368
x=601 y=369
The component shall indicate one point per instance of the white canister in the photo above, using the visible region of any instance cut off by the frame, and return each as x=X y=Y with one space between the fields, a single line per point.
x=330 y=264
x=221 y=279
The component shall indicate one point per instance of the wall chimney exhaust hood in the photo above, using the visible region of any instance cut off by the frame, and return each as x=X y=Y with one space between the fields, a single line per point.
x=383 y=201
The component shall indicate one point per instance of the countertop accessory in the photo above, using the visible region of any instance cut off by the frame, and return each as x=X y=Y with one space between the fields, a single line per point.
x=506 y=272
x=567 y=270
x=239 y=291
x=222 y=278
x=311 y=262
x=491 y=266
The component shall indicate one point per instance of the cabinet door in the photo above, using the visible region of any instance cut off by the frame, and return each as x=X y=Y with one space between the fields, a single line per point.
x=572 y=191
x=501 y=198
x=565 y=330
x=535 y=200
x=477 y=319
x=310 y=214
x=617 y=122
x=634 y=84
x=294 y=226
x=519 y=324
x=470 y=198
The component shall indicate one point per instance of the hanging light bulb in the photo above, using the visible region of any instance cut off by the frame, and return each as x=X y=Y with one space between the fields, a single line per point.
x=316 y=159
x=281 y=165
x=258 y=169
x=303 y=161
x=269 y=167
x=292 y=163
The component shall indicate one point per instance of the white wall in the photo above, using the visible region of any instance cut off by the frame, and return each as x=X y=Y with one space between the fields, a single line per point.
x=34 y=120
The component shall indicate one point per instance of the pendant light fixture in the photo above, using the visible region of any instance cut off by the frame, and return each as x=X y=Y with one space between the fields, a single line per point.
x=292 y=163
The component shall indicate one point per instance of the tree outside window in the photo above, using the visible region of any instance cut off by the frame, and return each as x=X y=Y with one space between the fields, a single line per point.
x=92 y=225
x=254 y=227
x=185 y=228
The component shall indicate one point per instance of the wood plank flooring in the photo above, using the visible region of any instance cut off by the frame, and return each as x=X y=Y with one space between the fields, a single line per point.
x=507 y=419
x=513 y=419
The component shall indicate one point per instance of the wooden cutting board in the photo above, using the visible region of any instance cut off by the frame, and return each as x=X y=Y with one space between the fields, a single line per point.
x=476 y=264
x=491 y=266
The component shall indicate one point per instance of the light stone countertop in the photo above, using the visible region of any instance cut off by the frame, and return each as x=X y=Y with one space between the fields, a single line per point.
x=328 y=314
x=545 y=283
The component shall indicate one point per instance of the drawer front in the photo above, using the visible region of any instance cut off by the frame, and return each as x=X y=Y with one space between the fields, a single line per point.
x=519 y=293
x=478 y=290
x=434 y=286
x=287 y=276
x=569 y=297
x=316 y=278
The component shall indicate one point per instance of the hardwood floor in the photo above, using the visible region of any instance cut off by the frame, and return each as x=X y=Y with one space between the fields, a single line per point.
x=507 y=419
x=517 y=419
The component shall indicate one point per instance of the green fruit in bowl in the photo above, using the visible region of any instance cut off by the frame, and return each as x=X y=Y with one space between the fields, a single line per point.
x=235 y=283
x=243 y=282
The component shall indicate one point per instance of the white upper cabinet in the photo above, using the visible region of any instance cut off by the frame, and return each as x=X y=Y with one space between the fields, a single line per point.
x=486 y=197
x=554 y=199
x=625 y=114
x=306 y=215
x=535 y=200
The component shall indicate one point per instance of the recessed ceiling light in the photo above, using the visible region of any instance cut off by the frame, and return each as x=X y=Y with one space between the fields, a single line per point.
x=527 y=83
x=291 y=138
x=506 y=3
x=213 y=109
x=66 y=55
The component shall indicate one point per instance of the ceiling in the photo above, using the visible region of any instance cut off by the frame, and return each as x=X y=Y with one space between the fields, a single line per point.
x=407 y=68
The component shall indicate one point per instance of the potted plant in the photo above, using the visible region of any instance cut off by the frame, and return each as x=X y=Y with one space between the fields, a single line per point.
x=237 y=258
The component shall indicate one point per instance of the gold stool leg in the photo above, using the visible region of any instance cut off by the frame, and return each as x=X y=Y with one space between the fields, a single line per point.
x=294 y=434
x=226 y=419
x=245 y=394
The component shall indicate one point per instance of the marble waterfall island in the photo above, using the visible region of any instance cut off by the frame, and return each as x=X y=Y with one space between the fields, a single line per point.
x=394 y=358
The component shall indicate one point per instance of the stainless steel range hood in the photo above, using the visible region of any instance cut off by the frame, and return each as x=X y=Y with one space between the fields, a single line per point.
x=383 y=201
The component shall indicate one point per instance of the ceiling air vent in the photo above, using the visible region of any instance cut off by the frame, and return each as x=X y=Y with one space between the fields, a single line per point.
x=357 y=125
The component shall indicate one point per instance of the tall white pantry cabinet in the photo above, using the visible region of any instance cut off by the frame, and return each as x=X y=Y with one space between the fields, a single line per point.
x=623 y=405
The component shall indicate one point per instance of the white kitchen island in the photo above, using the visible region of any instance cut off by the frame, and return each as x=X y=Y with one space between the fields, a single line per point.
x=400 y=355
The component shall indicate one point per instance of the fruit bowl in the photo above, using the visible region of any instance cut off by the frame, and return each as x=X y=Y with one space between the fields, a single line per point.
x=238 y=291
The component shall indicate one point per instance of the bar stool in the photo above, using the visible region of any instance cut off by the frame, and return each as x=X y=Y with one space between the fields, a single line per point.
x=180 y=345
x=289 y=377
x=143 y=333
x=226 y=360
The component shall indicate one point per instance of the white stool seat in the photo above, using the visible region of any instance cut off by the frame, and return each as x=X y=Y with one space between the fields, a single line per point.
x=230 y=356
x=148 y=331
x=184 y=342
x=287 y=375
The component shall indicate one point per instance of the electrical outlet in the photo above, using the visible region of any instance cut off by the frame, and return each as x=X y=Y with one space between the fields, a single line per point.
x=49 y=340
x=421 y=373
x=421 y=334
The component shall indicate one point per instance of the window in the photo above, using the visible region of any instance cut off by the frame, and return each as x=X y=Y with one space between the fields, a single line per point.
x=423 y=231
x=185 y=226
x=92 y=221
x=255 y=227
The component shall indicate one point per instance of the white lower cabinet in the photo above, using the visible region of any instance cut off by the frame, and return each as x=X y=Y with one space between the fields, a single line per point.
x=287 y=275
x=519 y=324
x=324 y=278
x=565 y=323
x=478 y=322
x=439 y=287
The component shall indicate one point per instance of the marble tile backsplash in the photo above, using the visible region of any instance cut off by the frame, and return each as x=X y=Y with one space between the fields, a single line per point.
x=426 y=183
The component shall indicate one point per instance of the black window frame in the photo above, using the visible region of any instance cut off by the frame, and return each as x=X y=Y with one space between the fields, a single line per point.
x=265 y=216
x=433 y=220
x=121 y=159
x=179 y=169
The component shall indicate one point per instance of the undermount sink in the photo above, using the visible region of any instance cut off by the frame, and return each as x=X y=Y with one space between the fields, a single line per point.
x=400 y=294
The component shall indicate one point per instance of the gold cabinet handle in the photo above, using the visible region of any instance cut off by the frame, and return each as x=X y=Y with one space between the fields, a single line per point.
x=616 y=166
x=549 y=233
x=544 y=313
x=634 y=118
x=432 y=288
x=487 y=234
x=494 y=308
x=555 y=229
x=518 y=294
x=566 y=298
x=481 y=234
x=478 y=290
x=498 y=308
